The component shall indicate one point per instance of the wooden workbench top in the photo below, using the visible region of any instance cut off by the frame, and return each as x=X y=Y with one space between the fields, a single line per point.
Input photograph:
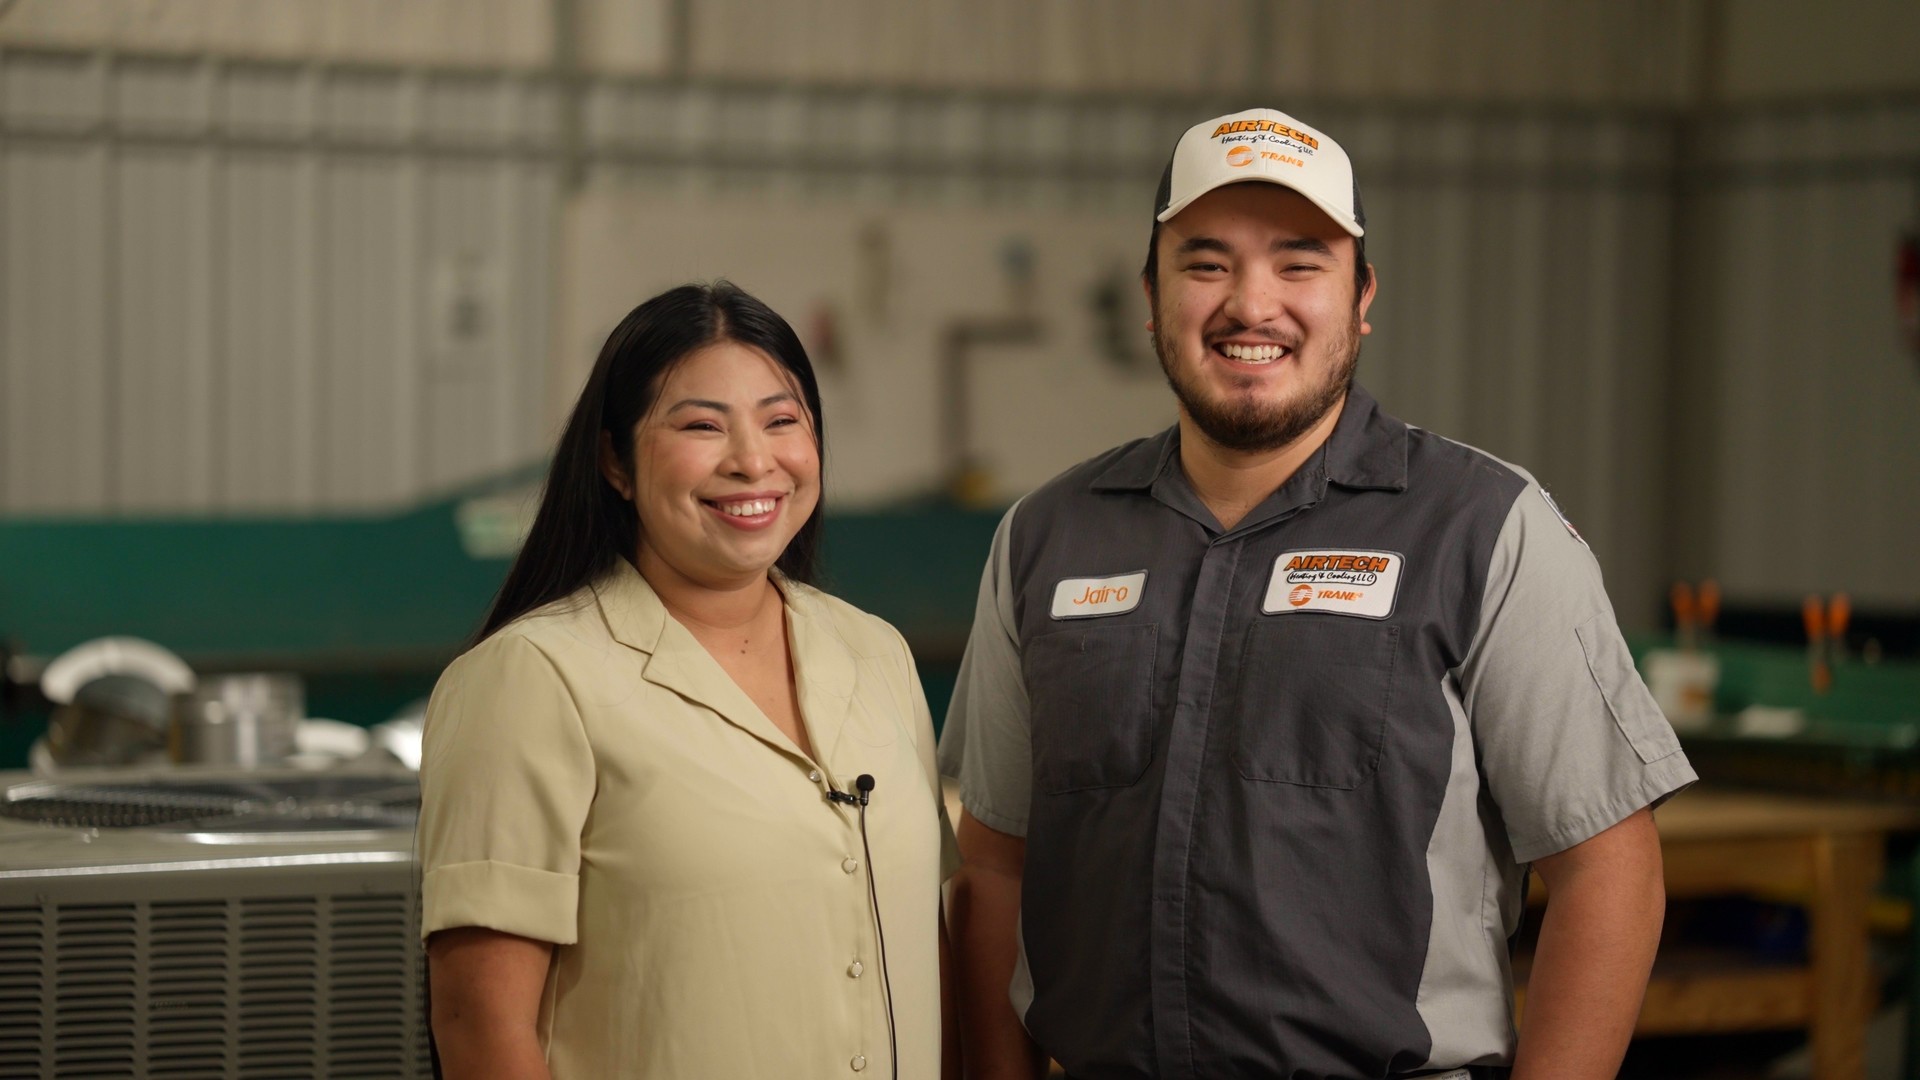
x=1707 y=813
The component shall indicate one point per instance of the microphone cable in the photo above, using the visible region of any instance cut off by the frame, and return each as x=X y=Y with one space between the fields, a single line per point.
x=864 y=783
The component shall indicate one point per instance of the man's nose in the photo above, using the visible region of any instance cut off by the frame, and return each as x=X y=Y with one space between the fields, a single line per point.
x=1257 y=299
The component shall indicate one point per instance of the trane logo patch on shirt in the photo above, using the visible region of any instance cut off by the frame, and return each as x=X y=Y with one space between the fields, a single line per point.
x=1084 y=597
x=1339 y=581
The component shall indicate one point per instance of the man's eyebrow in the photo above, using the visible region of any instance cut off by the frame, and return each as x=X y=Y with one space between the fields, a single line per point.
x=1202 y=243
x=1310 y=245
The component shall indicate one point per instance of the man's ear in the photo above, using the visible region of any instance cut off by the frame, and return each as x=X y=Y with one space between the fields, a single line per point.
x=612 y=470
x=1147 y=288
x=1366 y=298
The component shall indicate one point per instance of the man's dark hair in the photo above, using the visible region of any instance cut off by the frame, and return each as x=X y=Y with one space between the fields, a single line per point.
x=583 y=525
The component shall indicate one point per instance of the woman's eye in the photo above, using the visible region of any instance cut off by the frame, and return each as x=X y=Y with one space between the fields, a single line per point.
x=784 y=421
x=703 y=425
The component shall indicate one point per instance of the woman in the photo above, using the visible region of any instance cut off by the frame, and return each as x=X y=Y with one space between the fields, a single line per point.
x=645 y=848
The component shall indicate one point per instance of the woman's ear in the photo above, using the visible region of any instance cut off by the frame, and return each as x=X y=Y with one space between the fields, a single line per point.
x=612 y=470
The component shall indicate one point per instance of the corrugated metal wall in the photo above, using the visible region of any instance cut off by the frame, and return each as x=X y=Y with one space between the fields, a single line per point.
x=1797 y=463
x=244 y=286
x=262 y=284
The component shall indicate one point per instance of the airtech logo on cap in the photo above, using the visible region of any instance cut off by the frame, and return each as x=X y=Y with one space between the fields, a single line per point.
x=1240 y=156
x=1337 y=581
x=1238 y=127
x=1086 y=597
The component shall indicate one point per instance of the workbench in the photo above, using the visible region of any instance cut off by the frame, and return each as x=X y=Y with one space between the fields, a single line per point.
x=1828 y=855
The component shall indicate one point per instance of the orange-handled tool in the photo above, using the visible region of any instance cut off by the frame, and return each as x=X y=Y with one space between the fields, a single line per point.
x=1709 y=605
x=1813 y=617
x=1684 y=614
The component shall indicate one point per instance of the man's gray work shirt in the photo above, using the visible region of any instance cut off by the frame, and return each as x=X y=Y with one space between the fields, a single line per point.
x=1278 y=782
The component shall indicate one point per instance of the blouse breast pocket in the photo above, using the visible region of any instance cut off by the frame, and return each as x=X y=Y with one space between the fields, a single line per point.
x=1091 y=689
x=1312 y=702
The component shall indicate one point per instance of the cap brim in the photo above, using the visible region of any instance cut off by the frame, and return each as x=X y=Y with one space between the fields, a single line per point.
x=1352 y=227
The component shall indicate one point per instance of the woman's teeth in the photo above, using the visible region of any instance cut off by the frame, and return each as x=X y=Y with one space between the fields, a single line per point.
x=747 y=508
x=1254 y=354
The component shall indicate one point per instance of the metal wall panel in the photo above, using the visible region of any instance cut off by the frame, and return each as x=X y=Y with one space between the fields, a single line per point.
x=317 y=287
x=235 y=286
x=267 y=308
x=162 y=398
x=1810 y=398
x=57 y=378
x=368 y=422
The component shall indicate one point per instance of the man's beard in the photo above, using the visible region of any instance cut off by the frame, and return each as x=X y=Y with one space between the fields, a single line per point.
x=1241 y=423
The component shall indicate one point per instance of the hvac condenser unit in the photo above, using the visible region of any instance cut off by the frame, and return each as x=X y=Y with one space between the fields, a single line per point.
x=195 y=923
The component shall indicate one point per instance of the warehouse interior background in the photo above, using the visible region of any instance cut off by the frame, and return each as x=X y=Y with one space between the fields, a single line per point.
x=293 y=295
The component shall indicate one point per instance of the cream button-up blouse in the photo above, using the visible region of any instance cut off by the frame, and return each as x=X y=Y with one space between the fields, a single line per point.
x=593 y=778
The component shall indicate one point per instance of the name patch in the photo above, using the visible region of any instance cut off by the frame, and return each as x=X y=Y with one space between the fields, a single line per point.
x=1085 y=597
x=1339 y=581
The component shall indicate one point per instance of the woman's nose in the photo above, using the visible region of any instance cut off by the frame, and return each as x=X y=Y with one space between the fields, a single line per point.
x=748 y=455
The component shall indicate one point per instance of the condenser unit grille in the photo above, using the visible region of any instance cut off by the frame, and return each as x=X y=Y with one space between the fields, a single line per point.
x=259 y=987
x=282 y=802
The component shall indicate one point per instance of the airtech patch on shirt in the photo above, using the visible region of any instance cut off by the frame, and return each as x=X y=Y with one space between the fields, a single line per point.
x=1085 y=597
x=1338 y=581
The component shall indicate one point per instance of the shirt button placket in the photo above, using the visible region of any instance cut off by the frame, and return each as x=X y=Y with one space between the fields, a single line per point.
x=1173 y=843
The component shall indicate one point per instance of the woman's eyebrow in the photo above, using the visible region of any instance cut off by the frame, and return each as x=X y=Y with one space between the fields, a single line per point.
x=721 y=406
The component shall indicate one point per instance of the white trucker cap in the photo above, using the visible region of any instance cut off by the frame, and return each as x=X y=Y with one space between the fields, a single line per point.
x=1266 y=145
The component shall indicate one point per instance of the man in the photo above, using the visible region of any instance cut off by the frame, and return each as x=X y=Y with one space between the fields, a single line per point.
x=1262 y=717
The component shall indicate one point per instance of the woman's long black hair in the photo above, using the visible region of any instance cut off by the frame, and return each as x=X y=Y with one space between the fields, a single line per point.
x=583 y=524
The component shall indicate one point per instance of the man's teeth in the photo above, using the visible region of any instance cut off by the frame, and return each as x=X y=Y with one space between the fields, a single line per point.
x=747 y=508
x=1254 y=354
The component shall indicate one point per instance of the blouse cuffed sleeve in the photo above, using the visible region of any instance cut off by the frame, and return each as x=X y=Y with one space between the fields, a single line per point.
x=506 y=780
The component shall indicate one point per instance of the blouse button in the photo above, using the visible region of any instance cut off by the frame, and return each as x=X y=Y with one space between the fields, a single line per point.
x=854 y=969
x=814 y=776
x=859 y=1062
x=850 y=865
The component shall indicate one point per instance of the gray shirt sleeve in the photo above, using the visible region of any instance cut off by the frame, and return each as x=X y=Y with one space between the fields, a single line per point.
x=1569 y=739
x=985 y=741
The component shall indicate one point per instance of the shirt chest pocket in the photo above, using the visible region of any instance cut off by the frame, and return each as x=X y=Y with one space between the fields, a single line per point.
x=1092 y=694
x=1313 y=700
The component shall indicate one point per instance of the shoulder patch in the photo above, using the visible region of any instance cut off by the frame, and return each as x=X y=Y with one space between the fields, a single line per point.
x=1562 y=515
